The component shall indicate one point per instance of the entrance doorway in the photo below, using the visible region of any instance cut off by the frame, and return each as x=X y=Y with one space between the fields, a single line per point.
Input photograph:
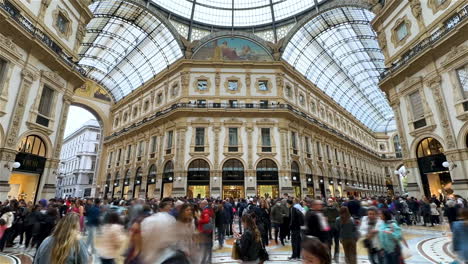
x=167 y=179
x=296 y=179
x=198 y=179
x=267 y=179
x=151 y=182
x=137 y=182
x=233 y=191
x=126 y=186
x=25 y=179
x=233 y=179
x=435 y=178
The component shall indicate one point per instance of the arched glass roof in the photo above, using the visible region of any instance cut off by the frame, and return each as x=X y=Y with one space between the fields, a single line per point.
x=236 y=13
x=338 y=51
x=125 y=46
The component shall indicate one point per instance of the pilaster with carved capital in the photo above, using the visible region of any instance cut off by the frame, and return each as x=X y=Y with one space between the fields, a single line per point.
x=249 y=130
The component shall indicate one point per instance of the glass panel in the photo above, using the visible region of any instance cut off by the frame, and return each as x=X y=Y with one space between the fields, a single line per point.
x=169 y=139
x=46 y=101
x=263 y=85
x=338 y=51
x=233 y=136
x=266 y=137
x=462 y=74
x=200 y=136
x=402 y=31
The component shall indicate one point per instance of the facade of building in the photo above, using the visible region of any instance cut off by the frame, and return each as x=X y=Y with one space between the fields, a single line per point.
x=78 y=159
x=426 y=51
x=38 y=44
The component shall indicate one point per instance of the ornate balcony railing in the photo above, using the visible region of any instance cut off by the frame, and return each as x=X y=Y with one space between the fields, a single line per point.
x=43 y=37
x=448 y=27
x=229 y=107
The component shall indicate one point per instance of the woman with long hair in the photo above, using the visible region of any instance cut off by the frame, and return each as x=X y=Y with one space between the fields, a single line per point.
x=348 y=234
x=65 y=245
x=250 y=241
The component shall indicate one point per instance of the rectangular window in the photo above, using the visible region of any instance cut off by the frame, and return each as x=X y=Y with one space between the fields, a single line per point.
x=96 y=148
x=263 y=85
x=11 y=9
x=266 y=139
x=170 y=135
x=263 y=104
x=293 y=140
x=119 y=156
x=416 y=105
x=160 y=97
x=462 y=74
x=140 y=149
x=233 y=140
x=307 y=146
x=233 y=103
x=402 y=31
x=45 y=103
x=336 y=156
x=109 y=162
x=328 y=154
x=3 y=66
x=153 y=144
x=129 y=153
x=233 y=85
x=199 y=139
x=93 y=164
x=319 y=151
x=201 y=103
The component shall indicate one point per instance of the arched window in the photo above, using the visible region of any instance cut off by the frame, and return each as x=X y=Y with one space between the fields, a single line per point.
x=233 y=171
x=198 y=172
x=295 y=172
x=267 y=171
x=429 y=147
x=138 y=176
x=397 y=146
x=152 y=174
x=168 y=172
x=33 y=145
x=127 y=178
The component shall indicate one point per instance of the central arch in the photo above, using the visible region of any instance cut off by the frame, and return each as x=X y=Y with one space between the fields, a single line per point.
x=233 y=179
x=267 y=179
x=435 y=178
x=198 y=179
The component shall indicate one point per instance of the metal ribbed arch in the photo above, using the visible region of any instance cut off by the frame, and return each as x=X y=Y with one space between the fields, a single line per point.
x=125 y=46
x=338 y=51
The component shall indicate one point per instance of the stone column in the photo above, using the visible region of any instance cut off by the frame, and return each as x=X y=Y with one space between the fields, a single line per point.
x=179 y=184
x=250 y=176
x=8 y=152
x=46 y=186
x=216 y=179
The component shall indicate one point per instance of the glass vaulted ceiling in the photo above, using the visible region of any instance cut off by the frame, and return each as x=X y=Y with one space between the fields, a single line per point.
x=338 y=51
x=125 y=46
x=236 y=13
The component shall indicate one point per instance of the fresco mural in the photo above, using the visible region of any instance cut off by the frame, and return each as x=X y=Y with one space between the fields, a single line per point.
x=237 y=49
x=92 y=90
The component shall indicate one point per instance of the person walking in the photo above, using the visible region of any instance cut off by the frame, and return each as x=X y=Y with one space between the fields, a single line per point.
x=434 y=214
x=354 y=207
x=221 y=222
x=451 y=212
x=205 y=227
x=347 y=229
x=369 y=229
x=241 y=205
x=228 y=210
x=110 y=239
x=250 y=241
x=284 y=227
x=92 y=222
x=64 y=246
x=426 y=211
x=276 y=218
x=8 y=216
x=263 y=222
x=460 y=236
x=316 y=223
x=389 y=238
x=331 y=212
x=295 y=224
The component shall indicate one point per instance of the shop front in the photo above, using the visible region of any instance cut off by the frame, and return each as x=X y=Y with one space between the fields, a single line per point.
x=296 y=179
x=198 y=179
x=167 y=179
x=233 y=179
x=137 y=182
x=30 y=161
x=151 y=182
x=267 y=179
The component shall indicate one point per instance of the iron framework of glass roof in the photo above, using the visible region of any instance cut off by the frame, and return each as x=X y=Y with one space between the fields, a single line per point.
x=338 y=52
x=125 y=46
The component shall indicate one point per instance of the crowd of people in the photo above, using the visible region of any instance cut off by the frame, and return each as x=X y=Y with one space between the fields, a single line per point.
x=183 y=230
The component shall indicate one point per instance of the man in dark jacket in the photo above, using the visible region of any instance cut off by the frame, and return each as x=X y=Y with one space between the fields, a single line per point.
x=92 y=217
x=230 y=217
x=296 y=221
x=354 y=207
x=331 y=213
x=277 y=218
x=315 y=222
x=241 y=205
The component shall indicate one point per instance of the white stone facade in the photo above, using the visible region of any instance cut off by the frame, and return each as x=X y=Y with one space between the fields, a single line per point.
x=78 y=161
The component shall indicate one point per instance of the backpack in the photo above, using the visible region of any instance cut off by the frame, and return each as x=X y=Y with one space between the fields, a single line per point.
x=246 y=210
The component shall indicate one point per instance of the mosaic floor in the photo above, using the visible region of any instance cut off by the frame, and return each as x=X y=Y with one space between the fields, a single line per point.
x=427 y=244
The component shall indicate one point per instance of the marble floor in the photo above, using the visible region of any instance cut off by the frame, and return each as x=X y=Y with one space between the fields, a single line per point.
x=427 y=245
